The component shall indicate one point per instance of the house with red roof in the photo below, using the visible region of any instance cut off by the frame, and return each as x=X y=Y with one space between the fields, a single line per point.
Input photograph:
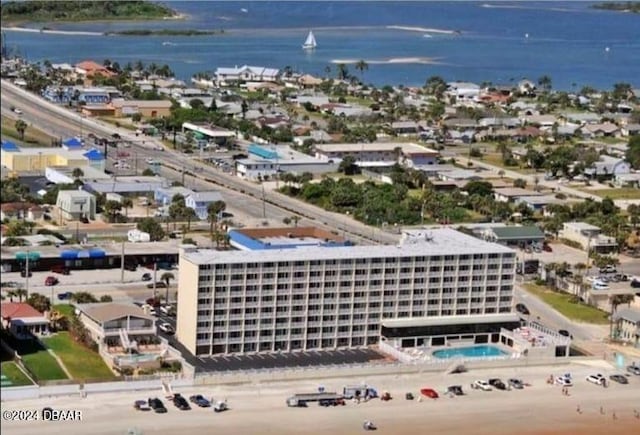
x=22 y=320
x=89 y=68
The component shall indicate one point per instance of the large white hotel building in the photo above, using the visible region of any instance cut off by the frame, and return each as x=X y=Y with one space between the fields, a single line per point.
x=434 y=285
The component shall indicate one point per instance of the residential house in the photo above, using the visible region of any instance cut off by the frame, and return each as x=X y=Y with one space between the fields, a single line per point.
x=588 y=236
x=21 y=210
x=538 y=202
x=511 y=194
x=628 y=180
x=164 y=195
x=146 y=108
x=608 y=167
x=27 y=159
x=246 y=73
x=543 y=121
x=22 y=320
x=89 y=69
x=607 y=129
x=199 y=202
x=76 y=204
x=626 y=325
x=526 y=87
x=463 y=91
x=405 y=128
x=459 y=175
x=630 y=130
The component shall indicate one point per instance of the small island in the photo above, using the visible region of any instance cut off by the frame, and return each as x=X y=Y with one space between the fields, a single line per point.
x=165 y=32
x=15 y=12
x=619 y=6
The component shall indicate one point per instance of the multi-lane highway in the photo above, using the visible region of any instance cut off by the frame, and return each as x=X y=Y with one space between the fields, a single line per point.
x=50 y=117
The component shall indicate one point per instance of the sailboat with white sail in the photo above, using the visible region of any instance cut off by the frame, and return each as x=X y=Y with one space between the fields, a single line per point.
x=310 y=42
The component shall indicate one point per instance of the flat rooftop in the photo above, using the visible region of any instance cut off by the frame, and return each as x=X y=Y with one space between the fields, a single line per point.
x=407 y=147
x=443 y=241
x=274 y=238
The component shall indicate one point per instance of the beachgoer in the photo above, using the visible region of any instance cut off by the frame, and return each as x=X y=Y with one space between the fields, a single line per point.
x=601 y=410
x=578 y=410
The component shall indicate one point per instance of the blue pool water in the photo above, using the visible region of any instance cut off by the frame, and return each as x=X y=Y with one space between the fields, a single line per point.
x=469 y=352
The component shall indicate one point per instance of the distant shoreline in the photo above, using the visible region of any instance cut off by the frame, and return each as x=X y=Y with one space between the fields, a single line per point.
x=131 y=32
x=425 y=30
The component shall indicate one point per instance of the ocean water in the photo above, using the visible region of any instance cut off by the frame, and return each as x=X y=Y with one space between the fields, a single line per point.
x=499 y=42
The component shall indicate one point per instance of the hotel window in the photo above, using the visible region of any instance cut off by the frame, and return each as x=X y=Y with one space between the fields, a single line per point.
x=463 y=278
x=330 y=273
x=389 y=282
x=376 y=271
x=282 y=275
x=298 y=286
x=346 y=262
x=389 y=304
x=489 y=310
x=447 y=312
x=436 y=258
x=298 y=274
x=432 y=313
x=434 y=279
x=434 y=269
x=361 y=272
x=266 y=310
x=461 y=312
x=478 y=266
x=418 y=280
x=374 y=304
x=390 y=271
x=268 y=275
x=298 y=263
x=345 y=283
x=284 y=264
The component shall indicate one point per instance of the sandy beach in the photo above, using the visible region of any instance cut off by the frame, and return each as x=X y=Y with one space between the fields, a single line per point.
x=53 y=32
x=260 y=409
x=424 y=30
x=394 y=60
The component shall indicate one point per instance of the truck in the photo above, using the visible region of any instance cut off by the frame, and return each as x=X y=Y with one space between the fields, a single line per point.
x=301 y=400
x=138 y=236
x=359 y=392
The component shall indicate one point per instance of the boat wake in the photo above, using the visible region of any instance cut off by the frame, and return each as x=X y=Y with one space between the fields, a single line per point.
x=391 y=61
x=424 y=30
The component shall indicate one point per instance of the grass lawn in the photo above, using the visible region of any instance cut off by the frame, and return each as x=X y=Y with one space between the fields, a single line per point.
x=65 y=309
x=562 y=302
x=496 y=160
x=13 y=376
x=619 y=193
x=43 y=365
x=81 y=362
x=32 y=135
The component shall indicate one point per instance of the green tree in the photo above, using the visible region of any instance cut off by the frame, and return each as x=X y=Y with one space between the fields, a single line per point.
x=545 y=83
x=213 y=214
x=435 y=85
x=111 y=209
x=151 y=226
x=77 y=173
x=106 y=298
x=83 y=298
x=21 y=127
x=342 y=72
x=362 y=66
x=126 y=203
x=632 y=154
x=480 y=188
x=39 y=302
x=167 y=277
x=348 y=166
x=520 y=182
x=196 y=104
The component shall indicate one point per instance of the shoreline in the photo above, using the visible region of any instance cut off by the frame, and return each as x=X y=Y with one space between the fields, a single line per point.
x=391 y=61
x=424 y=30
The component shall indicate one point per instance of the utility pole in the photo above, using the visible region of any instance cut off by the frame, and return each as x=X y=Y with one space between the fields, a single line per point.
x=26 y=284
x=155 y=269
x=122 y=263
x=264 y=205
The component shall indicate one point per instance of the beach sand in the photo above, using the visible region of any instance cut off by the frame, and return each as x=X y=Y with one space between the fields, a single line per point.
x=260 y=409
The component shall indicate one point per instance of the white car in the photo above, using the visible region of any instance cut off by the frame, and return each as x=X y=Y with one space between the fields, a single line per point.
x=564 y=381
x=481 y=385
x=166 y=328
x=599 y=285
x=597 y=379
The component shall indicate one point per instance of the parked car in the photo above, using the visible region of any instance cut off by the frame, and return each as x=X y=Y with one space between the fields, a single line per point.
x=429 y=392
x=159 y=284
x=634 y=369
x=456 y=390
x=516 y=383
x=51 y=280
x=547 y=248
x=168 y=310
x=166 y=328
x=597 y=379
x=598 y=285
x=522 y=309
x=64 y=296
x=481 y=385
x=635 y=283
x=199 y=400
x=564 y=381
x=146 y=277
x=23 y=274
x=141 y=405
x=63 y=270
x=497 y=383
x=608 y=269
x=621 y=379
x=132 y=267
x=180 y=402
x=157 y=405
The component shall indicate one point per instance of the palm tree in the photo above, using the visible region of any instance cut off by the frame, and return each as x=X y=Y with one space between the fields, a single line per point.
x=167 y=277
x=127 y=203
x=21 y=127
x=213 y=212
x=77 y=173
x=12 y=294
x=327 y=70
x=342 y=72
x=21 y=293
x=362 y=66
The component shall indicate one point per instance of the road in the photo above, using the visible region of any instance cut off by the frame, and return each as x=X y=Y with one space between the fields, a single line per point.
x=53 y=118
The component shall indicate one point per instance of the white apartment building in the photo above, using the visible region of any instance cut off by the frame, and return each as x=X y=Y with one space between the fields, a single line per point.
x=326 y=298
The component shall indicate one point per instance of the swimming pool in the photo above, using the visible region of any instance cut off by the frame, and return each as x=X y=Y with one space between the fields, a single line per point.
x=469 y=352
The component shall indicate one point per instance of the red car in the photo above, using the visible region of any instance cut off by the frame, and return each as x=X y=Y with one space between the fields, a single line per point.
x=547 y=248
x=51 y=280
x=429 y=392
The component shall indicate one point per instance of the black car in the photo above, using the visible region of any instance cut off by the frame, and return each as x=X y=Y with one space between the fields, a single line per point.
x=132 y=267
x=200 y=400
x=497 y=383
x=516 y=383
x=157 y=405
x=635 y=283
x=23 y=274
x=522 y=309
x=621 y=379
x=455 y=389
x=159 y=284
x=146 y=277
x=180 y=402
